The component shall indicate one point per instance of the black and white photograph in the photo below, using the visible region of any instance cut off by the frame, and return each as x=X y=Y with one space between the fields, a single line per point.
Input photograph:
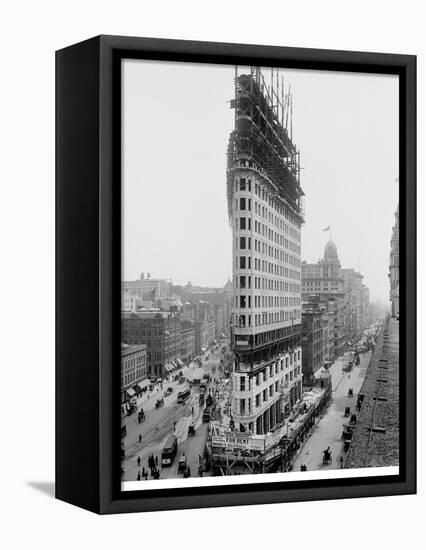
x=259 y=274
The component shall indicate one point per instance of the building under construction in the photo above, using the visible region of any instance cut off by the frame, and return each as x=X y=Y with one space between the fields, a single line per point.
x=266 y=213
x=231 y=451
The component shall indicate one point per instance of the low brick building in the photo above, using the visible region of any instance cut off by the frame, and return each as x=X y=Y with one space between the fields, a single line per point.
x=160 y=331
x=133 y=370
x=317 y=340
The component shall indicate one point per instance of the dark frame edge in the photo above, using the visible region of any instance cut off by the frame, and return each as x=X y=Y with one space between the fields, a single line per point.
x=408 y=275
x=77 y=180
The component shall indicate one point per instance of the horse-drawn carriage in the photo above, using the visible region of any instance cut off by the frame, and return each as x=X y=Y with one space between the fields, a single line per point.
x=347 y=411
x=130 y=409
x=159 y=403
x=183 y=466
x=347 y=434
x=326 y=458
x=141 y=416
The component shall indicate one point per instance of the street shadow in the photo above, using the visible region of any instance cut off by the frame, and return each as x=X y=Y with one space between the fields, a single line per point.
x=46 y=487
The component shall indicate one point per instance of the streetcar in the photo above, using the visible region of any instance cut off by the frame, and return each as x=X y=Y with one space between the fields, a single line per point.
x=183 y=395
x=169 y=450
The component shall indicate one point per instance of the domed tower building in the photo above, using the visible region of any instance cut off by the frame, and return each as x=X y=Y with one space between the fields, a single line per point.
x=322 y=283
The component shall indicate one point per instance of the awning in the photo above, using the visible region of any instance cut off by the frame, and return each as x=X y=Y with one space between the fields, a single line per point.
x=180 y=362
x=174 y=365
x=203 y=349
x=143 y=384
x=130 y=392
x=167 y=368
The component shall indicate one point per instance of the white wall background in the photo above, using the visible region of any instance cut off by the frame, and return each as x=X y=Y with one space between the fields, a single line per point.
x=30 y=33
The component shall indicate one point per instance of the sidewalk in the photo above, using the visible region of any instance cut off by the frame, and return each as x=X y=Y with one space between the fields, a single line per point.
x=328 y=430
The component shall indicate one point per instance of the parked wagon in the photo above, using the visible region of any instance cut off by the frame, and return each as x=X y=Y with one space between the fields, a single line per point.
x=182 y=466
x=326 y=459
x=348 y=432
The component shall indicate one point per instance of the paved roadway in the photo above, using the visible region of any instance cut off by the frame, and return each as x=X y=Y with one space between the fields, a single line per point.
x=328 y=431
x=168 y=419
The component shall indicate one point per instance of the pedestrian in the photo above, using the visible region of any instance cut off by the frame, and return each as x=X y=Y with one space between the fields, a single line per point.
x=174 y=426
x=156 y=460
x=140 y=438
x=146 y=476
x=189 y=471
x=139 y=476
x=143 y=471
x=139 y=460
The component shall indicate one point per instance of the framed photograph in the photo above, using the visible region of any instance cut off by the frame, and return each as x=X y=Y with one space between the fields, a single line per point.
x=236 y=282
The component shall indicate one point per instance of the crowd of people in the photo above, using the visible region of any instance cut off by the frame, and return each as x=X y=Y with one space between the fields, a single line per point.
x=152 y=467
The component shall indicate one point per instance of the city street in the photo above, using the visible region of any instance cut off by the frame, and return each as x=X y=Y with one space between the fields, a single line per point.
x=328 y=431
x=168 y=419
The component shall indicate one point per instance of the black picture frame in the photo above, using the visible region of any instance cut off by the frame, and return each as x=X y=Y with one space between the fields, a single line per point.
x=88 y=234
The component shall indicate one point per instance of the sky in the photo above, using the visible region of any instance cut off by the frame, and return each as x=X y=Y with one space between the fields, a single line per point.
x=175 y=126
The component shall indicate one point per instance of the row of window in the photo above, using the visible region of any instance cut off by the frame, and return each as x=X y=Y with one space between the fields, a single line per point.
x=245 y=185
x=244 y=204
x=263 y=283
x=263 y=396
x=270 y=371
x=258 y=301
x=132 y=377
x=261 y=319
x=280 y=255
x=244 y=224
x=132 y=329
x=263 y=266
x=132 y=362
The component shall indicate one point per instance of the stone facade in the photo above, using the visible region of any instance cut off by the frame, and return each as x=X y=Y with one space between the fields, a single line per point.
x=133 y=368
x=160 y=331
x=323 y=282
x=317 y=340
